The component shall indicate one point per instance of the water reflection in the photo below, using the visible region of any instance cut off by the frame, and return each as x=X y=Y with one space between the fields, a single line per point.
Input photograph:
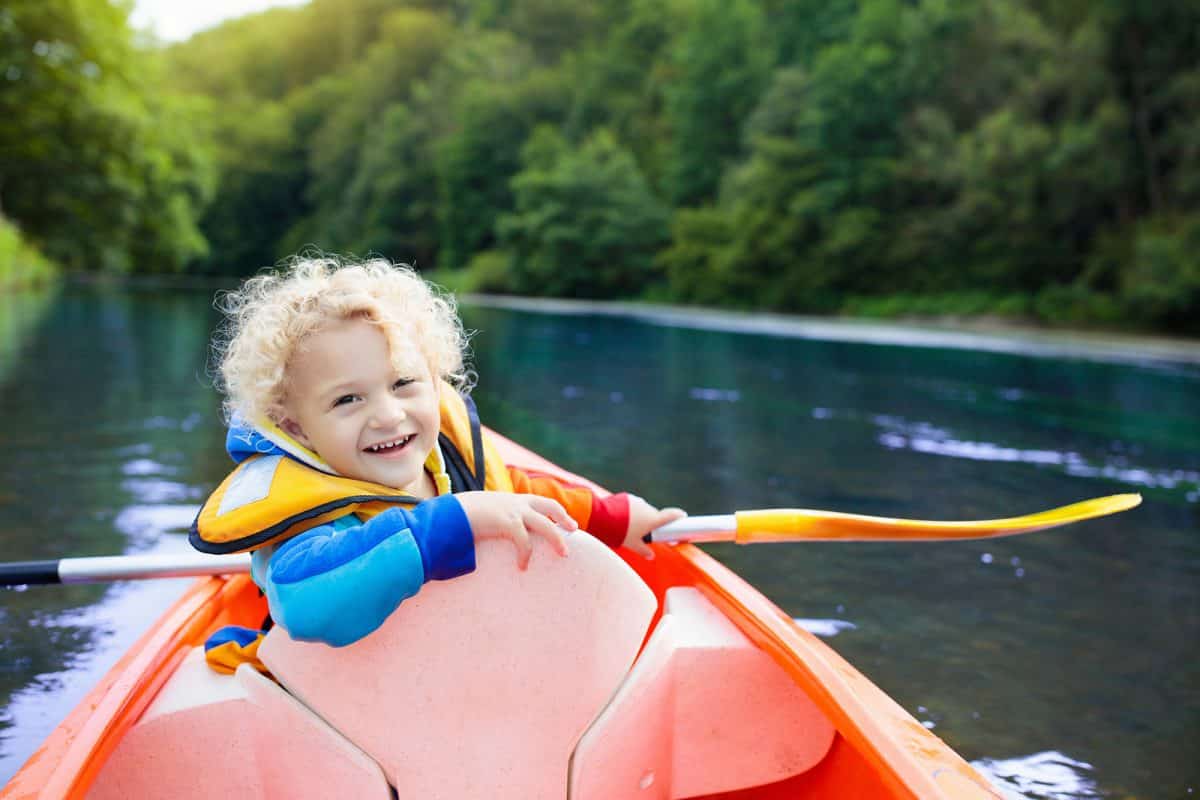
x=83 y=642
x=1080 y=641
x=1042 y=776
x=107 y=426
x=826 y=628
x=20 y=313
x=923 y=437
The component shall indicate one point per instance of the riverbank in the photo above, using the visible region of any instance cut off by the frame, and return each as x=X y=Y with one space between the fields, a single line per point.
x=985 y=333
x=988 y=334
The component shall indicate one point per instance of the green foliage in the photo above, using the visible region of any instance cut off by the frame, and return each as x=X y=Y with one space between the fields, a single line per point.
x=877 y=157
x=800 y=29
x=1162 y=281
x=720 y=63
x=21 y=265
x=490 y=272
x=390 y=204
x=957 y=149
x=277 y=52
x=947 y=305
x=260 y=190
x=97 y=165
x=1076 y=304
x=621 y=82
x=697 y=263
x=551 y=28
x=406 y=50
x=497 y=98
x=585 y=224
x=474 y=165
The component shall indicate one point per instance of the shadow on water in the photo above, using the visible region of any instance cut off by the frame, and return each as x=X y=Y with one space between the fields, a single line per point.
x=1061 y=663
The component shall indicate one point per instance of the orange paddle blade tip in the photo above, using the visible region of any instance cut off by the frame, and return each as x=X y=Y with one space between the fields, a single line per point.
x=801 y=525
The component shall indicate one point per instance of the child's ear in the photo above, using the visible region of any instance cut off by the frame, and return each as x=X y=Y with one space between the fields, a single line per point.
x=293 y=429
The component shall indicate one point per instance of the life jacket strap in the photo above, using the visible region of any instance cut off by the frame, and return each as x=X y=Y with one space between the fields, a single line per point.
x=462 y=477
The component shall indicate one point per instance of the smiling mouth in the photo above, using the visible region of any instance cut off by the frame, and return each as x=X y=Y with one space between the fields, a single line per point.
x=391 y=446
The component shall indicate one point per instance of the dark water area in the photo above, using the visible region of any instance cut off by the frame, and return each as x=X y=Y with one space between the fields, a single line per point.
x=1062 y=663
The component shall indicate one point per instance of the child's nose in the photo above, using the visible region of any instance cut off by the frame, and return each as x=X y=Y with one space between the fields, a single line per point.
x=389 y=412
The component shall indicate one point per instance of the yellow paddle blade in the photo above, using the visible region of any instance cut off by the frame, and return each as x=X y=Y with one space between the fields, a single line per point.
x=801 y=525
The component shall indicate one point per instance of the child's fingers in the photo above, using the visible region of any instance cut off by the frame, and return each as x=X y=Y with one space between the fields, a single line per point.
x=540 y=525
x=520 y=539
x=641 y=548
x=667 y=515
x=553 y=509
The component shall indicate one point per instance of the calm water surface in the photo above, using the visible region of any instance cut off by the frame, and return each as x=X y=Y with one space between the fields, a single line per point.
x=1064 y=663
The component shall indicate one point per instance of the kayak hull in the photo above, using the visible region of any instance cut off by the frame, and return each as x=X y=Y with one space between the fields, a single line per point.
x=878 y=749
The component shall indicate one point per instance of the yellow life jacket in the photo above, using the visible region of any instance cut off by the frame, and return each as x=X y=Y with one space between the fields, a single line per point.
x=271 y=497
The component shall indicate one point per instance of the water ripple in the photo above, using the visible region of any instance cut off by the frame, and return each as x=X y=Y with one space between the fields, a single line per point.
x=156 y=490
x=825 y=627
x=146 y=524
x=921 y=437
x=711 y=395
x=146 y=466
x=1048 y=775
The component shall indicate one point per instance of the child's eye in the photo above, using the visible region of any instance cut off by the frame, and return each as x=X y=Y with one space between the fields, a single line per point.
x=344 y=399
x=401 y=383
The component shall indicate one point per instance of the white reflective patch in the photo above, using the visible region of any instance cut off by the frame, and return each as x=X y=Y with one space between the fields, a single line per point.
x=251 y=484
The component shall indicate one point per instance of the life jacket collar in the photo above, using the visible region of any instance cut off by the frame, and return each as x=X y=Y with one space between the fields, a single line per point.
x=281 y=488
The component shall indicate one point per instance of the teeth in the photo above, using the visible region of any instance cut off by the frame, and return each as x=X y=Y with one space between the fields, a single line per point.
x=379 y=448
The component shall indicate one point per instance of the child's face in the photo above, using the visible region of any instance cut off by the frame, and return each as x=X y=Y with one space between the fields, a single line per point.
x=369 y=420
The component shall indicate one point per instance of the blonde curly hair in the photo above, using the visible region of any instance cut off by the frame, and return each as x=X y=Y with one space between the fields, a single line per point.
x=270 y=315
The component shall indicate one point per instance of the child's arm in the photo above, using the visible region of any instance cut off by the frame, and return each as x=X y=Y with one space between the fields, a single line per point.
x=619 y=520
x=337 y=583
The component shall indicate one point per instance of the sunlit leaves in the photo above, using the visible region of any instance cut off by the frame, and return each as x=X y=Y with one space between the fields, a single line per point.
x=763 y=153
x=98 y=167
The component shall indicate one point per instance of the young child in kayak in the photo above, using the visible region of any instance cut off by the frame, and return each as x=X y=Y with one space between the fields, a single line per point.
x=362 y=472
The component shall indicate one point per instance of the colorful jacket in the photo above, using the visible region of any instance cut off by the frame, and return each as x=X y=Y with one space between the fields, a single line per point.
x=335 y=556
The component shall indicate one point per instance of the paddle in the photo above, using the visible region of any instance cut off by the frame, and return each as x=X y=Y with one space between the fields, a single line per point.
x=804 y=525
x=102 y=569
x=744 y=527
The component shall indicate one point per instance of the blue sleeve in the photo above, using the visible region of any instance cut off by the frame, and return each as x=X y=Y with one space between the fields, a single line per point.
x=339 y=582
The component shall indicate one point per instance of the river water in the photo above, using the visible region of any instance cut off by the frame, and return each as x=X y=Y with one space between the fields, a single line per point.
x=1063 y=663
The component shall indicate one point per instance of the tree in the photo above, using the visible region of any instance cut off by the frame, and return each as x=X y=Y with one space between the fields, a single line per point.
x=484 y=101
x=586 y=223
x=260 y=187
x=411 y=44
x=99 y=167
x=392 y=197
x=721 y=64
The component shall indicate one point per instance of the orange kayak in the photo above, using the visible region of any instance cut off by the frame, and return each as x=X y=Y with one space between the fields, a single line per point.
x=588 y=677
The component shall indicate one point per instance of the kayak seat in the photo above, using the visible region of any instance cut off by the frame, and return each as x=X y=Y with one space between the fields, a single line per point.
x=702 y=712
x=481 y=686
x=209 y=735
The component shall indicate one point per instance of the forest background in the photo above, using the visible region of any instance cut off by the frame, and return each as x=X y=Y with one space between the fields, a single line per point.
x=1037 y=159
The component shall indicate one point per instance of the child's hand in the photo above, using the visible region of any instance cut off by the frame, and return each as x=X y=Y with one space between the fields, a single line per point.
x=644 y=518
x=516 y=517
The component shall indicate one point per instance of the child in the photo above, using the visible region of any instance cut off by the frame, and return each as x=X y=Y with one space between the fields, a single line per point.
x=361 y=469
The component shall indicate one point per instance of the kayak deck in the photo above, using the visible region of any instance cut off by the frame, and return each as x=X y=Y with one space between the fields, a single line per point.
x=875 y=748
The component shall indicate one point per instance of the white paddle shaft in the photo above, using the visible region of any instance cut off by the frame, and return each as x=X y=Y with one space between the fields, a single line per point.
x=715 y=528
x=124 y=568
